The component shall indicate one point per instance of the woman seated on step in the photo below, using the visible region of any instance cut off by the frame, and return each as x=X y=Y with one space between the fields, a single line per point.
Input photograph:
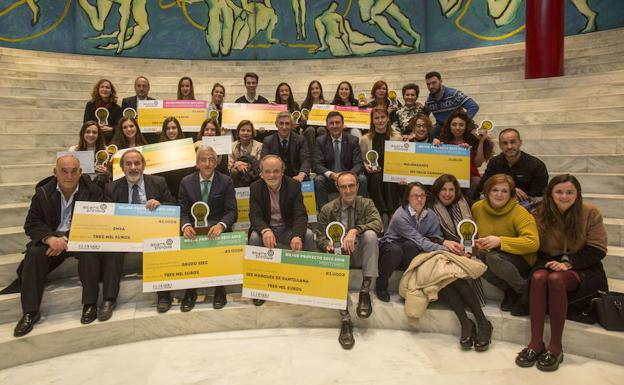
x=244 y=161
x=91 y=139
x=128 y=134
x=104 y=95
x=568 y=272
x=507 y=241
x=171 y=130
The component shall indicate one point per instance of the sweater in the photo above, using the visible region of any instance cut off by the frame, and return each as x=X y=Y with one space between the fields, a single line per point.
x=514 y=225
x=451 y=100
x=404 y=227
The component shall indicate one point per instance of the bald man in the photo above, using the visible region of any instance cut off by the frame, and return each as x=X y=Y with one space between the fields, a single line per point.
x=47 y=224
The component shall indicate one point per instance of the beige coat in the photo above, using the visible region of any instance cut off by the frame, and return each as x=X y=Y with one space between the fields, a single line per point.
x=431 y=272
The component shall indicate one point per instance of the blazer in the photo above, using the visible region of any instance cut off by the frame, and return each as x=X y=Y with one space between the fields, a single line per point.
x=221 y=199
x=131 y=102
x=350 y=154
x=155 y=188
x=297 y=157
x=44 y=214
x=290 y=202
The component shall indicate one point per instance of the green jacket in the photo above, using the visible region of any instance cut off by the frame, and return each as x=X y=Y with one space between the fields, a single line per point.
x=366 y=218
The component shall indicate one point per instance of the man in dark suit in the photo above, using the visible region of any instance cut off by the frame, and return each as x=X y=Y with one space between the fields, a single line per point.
x=276 y=211
x=141 y=89
x=251 y=85
x=289 y=146
x=47 y=225
x=136 y=188
x=335 y=152
x=217 y=190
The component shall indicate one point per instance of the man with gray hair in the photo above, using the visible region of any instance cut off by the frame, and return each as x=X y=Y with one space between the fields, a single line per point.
x=291 y=147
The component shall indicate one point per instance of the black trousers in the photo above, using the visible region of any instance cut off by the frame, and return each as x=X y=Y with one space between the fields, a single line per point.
x=33 y=272
x=385 y=195
x=394 y=256
x=96 y=267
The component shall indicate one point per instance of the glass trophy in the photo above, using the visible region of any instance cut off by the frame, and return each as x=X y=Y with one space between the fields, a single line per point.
x=336 y=232
x=102 y=114
x=467 y=230
x=200 y=211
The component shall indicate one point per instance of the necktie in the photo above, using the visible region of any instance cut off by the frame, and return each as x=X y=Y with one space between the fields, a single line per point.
x=349 y=217
x=205 y=191
x=337 y=162
x=284 y=144
x=135 y=194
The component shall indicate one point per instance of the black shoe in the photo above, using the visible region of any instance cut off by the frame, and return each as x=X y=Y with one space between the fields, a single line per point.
x=89 y=314
x=520 y=308
x=219 y=300
x=466 y=342
x=258 y=302
x=106 y=310
x=528 y=357
x=26 y=323
x=382 y=294
x=188 y=302
x=346 y=335
x=14 y=287
x=164 y=302
x=509 y=300
x=484 y=338
x=364 y=307
x=548 y=362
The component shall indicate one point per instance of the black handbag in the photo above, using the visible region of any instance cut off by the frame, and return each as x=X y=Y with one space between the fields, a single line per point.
x=609 y=310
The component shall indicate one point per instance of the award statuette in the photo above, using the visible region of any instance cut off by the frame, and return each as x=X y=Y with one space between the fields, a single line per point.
x=305 y=113
x=200 y=211
x=111 y=149
x=392 y=96
x=101 y=157
x=336 y=232
x=296 y=115
x=467 y=230
x=486 y=126
x=129 y=113
x=372 y=158
x=362 y=99
x=102 y=114
x=213 y=114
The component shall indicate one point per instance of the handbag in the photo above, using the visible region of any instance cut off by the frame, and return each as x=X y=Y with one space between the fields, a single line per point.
x=609 y=310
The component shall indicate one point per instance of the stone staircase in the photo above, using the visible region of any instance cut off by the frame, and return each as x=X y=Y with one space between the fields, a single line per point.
x=574 y=123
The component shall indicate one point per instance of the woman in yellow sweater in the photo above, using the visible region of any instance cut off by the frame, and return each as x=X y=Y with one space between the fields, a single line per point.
x=507 y=241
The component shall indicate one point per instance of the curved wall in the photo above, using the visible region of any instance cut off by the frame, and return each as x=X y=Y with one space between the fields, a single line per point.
x=277 y=29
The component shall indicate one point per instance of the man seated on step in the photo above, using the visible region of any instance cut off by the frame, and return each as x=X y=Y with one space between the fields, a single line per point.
x=217 y=190
x=251 y=96
x=47 y=225
x=141 y=90
x=291 y=147
x=443 y=100
x=136 y=188
x=362 y=225
x=276 y=211
x=335 y=152
x=528 y=172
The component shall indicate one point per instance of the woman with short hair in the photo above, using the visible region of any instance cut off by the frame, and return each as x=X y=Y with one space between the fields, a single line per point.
x=244 y=161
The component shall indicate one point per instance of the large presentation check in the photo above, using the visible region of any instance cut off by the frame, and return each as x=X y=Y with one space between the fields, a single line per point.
x=261 y=115
x=242 y=201
x=190 y=113
x=424 y=162
x=99 y=226
x=161 y=157
x=301 y=278
x=177 y=263
x=354 y=117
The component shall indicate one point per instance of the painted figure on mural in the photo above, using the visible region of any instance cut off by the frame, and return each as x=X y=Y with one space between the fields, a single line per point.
x=372 y=12
x=335 y=33
x=34 y=8
x=129 y=10
x=299 y=9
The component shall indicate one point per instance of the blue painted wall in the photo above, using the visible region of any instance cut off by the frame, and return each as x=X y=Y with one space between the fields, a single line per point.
x=266 y=29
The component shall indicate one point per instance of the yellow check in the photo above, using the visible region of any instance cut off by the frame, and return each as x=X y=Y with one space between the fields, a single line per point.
x=354 y=117
x=190 y=113
x=261 y=115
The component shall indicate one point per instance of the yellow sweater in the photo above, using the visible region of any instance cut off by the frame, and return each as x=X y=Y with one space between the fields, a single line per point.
x=514 y=225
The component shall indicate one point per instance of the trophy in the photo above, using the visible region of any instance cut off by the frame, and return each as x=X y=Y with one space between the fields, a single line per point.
x=296 y=115
x=392 y=96
x=111 y=149
x=372 y=158
x=129 y=113
x=486 y=126
x=101 y=114
x=200 y=211
x=305 y=113
x=336 y=232
x=467 y=230
x=101 y=157
x=213 y=114
x=362 y=99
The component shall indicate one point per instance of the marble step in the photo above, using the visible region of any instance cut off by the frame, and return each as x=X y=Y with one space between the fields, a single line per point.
x=13 y=214
x=12 y=240
x=62 y=333
x=610 y=204
x=615 y=230
x=579 y=130
x=25 y=172
x=37 y=155
x=555 y=115
x=600 y=183
x=611 y=145
x=16 y=192
x=16 y=125
x=28 y=141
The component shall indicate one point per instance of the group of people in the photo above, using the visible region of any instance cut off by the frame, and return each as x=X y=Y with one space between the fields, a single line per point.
x=542 y=245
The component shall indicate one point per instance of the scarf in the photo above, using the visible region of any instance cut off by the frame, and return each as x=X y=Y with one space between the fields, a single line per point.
x=450 y=218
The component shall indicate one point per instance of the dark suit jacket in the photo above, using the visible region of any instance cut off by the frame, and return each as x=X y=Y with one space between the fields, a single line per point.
x=297 y=158
x=131 y=102
x=44 y=214
x=114 y=115
x=290 y=202
x=259 y=100
x=350 y=154
x=155 y=188
x=221 y=200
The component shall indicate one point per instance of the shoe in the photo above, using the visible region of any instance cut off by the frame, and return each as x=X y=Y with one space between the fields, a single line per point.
x=14 y=287
x=89 y=314
x=258 y=302
x=509 y=300
x=484 y=338
x=106 y=310
x=219 y=300
x=548 y=362
x=164 y=302
x=346 y=335
x=188 y=302
x=520 y=308
x=528 y=357
x=466 y=342
x=364 y=307
x=382 y=294
x=26 y=323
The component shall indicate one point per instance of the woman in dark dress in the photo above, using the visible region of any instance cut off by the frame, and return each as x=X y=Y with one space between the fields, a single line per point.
x=104 y=95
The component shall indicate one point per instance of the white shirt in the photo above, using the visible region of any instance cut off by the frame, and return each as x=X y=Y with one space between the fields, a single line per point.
x=66 y=210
